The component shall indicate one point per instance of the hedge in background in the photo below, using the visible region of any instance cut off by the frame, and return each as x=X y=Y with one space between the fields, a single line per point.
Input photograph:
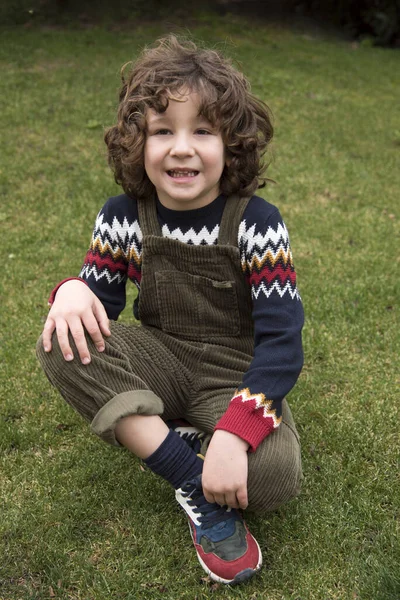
x=376 y=19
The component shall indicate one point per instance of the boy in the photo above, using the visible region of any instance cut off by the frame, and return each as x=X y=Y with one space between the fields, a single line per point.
x=220 y=337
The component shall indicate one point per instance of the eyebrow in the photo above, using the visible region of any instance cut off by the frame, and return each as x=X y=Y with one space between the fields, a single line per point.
x=164 y=117
x=157 y=116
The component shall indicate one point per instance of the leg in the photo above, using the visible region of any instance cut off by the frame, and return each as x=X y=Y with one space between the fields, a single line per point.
x=120 y=393
x=275 y=468
x=141 y=434
x=129 y=377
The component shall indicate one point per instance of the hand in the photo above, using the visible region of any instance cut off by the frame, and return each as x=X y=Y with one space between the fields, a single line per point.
x=76 y=307
x=225 y=470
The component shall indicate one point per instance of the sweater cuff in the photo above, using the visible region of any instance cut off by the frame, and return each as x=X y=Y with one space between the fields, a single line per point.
x=55 y=290
x=247 y=425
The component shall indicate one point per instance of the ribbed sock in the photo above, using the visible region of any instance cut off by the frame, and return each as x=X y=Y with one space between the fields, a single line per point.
x=175 y=461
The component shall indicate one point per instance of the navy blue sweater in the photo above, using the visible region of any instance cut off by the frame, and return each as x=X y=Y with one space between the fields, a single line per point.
x=114 y=257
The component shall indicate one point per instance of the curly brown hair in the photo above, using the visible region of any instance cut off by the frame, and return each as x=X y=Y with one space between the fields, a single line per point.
x=174 y=65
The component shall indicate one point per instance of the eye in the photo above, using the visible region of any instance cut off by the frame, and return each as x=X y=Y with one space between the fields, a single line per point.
x=203 y=132
x=162 y=132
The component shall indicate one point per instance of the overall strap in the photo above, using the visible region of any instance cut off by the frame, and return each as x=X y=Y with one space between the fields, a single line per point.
x=147 y=209
x=231 y=218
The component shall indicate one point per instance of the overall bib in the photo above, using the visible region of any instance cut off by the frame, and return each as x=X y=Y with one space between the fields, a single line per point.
x=187 y=357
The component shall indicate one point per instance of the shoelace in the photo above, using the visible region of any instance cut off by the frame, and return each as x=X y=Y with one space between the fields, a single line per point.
x=193 y=438
x=211 y=513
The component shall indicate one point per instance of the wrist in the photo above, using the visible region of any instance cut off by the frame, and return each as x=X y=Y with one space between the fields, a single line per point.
x=231 y=438
x=55 y=290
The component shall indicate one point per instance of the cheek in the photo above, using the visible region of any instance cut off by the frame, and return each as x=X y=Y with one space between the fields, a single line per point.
x=149 y=157
x=149 y=168
x=218 y=156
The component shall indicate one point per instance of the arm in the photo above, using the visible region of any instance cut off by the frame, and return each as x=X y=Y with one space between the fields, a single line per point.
x=86 y=303
x=256 y=407
x=106 y=262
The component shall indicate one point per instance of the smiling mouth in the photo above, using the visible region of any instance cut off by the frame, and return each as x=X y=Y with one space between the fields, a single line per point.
x=177 y=173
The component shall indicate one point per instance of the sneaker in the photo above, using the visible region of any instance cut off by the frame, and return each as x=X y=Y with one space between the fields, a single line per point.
x=225 y=548
x=191 y=435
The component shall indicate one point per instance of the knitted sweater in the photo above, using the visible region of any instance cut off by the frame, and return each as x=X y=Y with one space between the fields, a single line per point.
x=115 y=256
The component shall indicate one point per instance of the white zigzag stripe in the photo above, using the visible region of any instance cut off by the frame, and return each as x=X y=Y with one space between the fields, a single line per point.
x=92 y=271
x=124 y=236
x=261 y=402
x=209 y=237
x=117 y=245
x=256 y=290
x=281 y=248
x=260 y=240
x=119 y=231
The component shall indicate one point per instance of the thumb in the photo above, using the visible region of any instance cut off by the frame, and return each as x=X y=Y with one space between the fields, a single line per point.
x=242 y=498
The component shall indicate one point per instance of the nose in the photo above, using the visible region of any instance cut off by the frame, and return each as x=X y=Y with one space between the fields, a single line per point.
x=182 y=145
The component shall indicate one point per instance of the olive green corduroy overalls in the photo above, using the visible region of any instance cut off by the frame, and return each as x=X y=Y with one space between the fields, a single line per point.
x=187 y=357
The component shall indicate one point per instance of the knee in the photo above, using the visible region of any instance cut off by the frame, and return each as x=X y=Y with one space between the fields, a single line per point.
x=53 y=362
x=275 y=481
x=43 y=356
x=40 y=352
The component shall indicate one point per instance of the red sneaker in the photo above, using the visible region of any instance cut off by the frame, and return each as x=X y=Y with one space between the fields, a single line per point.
x=225 y=548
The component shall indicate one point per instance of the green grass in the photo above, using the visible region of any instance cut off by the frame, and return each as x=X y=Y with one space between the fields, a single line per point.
x=81 y=520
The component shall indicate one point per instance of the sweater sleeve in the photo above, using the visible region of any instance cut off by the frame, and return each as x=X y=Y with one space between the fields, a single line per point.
x=105 y=268
x=256 y=407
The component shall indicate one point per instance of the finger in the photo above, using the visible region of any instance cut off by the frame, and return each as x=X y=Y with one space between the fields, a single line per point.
x=220 y=499
x=92 y=327
x=209 y=496
x=78 y=334
x=231 y=500
x=242 y=498
x=101 y=316
x=48 y=329
x=63 y=340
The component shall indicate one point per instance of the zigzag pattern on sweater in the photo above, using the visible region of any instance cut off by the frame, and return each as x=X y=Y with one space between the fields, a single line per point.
x=201 y=238
x=117 y=232
x=267 y=290
x=91 y=271
x=267 y=261
x=115 y=251
x=258 y=402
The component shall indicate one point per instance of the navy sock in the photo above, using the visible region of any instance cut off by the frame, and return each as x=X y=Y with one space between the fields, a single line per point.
x=175 y=461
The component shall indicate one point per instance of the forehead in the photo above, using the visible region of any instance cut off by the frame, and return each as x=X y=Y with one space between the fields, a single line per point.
x=181 y=104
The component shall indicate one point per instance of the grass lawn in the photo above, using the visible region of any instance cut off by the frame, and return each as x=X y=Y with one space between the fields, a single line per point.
x=81 y=520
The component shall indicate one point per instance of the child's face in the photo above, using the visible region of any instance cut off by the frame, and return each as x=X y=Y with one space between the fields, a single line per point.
x=184 y=155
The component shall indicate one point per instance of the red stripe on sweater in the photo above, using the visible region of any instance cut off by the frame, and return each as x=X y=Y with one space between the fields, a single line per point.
x=105 y=262
x=269 y=276
x=134 y=273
